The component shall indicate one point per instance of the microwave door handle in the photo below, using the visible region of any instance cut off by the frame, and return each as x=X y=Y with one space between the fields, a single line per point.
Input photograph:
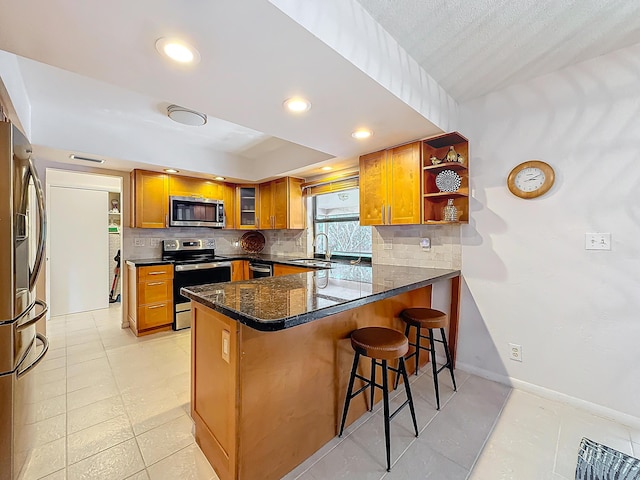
x=42 y=227
x=23 y=371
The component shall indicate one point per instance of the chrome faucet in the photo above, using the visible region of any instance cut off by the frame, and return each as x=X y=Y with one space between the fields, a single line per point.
x=327 y=252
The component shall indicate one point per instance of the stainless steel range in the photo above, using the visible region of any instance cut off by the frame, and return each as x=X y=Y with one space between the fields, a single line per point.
x=195 y=263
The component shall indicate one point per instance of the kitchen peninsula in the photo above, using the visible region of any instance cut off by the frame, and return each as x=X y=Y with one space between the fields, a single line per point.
x=271 y=358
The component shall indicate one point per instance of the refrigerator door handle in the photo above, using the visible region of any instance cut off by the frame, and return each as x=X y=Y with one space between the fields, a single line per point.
x=28 y=323
x=23 y=371
x=42 y=231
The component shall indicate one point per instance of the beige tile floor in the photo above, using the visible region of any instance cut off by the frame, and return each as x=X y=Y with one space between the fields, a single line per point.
x=112 y=406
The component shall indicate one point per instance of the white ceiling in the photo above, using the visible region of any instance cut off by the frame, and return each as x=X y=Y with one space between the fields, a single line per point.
x=97 y=86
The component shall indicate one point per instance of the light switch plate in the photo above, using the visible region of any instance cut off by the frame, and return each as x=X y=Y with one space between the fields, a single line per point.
x=387 y=245
x=597 y=241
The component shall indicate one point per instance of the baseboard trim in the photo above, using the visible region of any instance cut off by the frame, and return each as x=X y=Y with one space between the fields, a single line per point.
x=593 y=408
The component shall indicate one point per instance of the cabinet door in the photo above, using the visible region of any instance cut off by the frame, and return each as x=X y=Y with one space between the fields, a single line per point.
x=229 y=199
x=265 y=219
x=246 y=203
x=158 y=315
x=180 y=186
x=237 y=270
x=279 y=269
x=280 y=203
x=150 y=199
x=403 y=187
x=373 y=188
x=296 y=218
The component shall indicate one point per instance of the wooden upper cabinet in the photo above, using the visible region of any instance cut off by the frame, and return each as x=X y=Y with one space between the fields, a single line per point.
x=229 y=199
x=246 y=207
x=150 y=199
x=180 y=186
x=265 y=211
x=281 y=204
x=373 y=188
x=404 y=174
x=390 y=183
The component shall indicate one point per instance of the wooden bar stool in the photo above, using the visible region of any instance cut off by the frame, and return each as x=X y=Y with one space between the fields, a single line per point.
x=430 y=319
x=381 y=345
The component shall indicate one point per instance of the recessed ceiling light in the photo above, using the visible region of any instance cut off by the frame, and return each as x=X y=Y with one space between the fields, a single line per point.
x=186 y=116
x=86 y=159
x=178 y=50
x=326 y=169
x=362 y=133
x=171 y=170
x=297 y=104
x=218 y=178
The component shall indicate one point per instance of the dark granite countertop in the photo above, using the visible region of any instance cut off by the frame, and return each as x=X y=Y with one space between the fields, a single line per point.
x=276 y=303
x=147 y=262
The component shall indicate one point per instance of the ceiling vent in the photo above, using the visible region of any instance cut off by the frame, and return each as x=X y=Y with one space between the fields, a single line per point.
x=186 y=116
x=86 y=159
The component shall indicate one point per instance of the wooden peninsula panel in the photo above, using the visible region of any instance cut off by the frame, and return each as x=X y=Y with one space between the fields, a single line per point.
x=279 y=397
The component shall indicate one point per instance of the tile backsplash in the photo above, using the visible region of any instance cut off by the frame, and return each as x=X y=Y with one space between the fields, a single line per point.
x=391 y=245
x=400 y=245
x=147 y=243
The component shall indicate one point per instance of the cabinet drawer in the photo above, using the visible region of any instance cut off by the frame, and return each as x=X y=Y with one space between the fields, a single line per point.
x=155 y=291
x=156 y=272
x=151 y=316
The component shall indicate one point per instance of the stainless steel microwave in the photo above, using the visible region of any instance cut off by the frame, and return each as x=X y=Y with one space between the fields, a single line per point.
x=195 y=212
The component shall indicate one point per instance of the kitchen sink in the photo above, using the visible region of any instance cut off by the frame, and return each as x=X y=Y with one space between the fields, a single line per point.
x=313 y=262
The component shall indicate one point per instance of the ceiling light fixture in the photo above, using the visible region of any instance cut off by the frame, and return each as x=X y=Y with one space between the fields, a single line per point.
x=327 y=168
x=362 y=133
x=171 y=170
x=297 y=104
x=86 y=159
x=178 y=51
x=186 y=116
x=218 y=178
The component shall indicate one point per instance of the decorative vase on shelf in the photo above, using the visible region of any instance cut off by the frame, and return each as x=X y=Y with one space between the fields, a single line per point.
x=450 y=212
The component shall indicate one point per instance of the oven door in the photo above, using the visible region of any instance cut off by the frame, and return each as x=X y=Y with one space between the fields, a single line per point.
x=260 y=270
x=190 y=275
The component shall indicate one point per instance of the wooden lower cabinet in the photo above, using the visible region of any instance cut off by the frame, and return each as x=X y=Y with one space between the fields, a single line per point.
x=257 y=395
x=239 y=270
x=279 y=269
x=150 y=289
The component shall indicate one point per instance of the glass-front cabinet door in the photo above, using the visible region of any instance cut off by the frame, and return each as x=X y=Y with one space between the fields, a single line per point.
x=247 y=203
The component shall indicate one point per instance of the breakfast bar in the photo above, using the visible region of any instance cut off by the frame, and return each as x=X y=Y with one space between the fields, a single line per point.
x=271 y=358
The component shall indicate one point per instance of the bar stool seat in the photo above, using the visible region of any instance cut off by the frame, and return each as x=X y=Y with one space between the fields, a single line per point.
x=380 y=344
x=430 y=319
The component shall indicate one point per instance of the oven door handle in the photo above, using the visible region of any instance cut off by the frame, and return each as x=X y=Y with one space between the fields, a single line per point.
x=201 y=266
x=259 y=269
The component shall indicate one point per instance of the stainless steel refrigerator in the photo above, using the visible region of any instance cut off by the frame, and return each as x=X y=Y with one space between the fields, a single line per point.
x=22 y=232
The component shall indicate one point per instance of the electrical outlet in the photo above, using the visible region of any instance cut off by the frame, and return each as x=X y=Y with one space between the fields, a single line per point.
x=387 y=245
x=226 y=345
x=154 y=242
x=425 y=243
x=138 y=242
x=597 y=241
x=515 y=352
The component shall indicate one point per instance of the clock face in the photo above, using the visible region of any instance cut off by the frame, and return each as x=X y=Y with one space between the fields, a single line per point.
x=529 y=179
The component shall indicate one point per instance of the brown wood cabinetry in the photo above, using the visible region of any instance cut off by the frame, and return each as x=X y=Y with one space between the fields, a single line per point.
x=239 y=270
x=390 y=186
x=279 y=269
x=434 y=200
x=229 y=198
x=149 y=199
x=150 y=307
x=281 y=205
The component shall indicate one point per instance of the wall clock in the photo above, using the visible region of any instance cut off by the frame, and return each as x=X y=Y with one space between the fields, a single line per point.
x=531 y=179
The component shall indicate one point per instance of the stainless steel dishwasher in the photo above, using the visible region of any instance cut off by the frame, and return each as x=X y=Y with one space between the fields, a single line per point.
x=260 y=269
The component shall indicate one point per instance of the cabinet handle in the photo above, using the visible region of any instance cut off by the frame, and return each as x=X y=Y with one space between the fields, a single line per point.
x=389 y=214
x=155 y=283
x=156 y=273
x=383 y=214
x=157 y=306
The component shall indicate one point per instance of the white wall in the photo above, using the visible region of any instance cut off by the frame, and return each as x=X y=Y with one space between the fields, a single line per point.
x=530 y=280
